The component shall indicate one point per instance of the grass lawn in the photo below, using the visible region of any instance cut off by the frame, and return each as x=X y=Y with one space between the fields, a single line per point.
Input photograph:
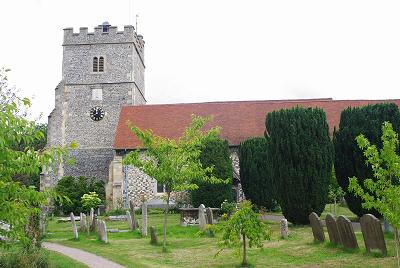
x=187 y=249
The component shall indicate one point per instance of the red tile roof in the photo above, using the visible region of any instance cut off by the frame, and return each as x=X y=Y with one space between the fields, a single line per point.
x=239 y=120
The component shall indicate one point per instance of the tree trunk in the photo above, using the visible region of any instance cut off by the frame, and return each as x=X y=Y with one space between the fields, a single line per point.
x=244 y=262
x=397 y=242
x=165 y=222
x=334 y=206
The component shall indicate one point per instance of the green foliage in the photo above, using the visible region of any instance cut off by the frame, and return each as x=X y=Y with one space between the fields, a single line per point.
x=335 y=193
x=349 y=159
x=301 y=160
x=90 y=200
x=74 y=188
x=215 y=154
x=256 y=173
x=175 y=163
x=228 y=208
x=20 y=205
x=244 y=227
x=381 y=192
x=37 y=258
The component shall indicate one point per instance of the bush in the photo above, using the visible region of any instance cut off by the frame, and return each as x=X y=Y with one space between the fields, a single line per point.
x=74 y=189
x=255 y=173
x=37 y=258
x=349 y=159
x=216 y=153
x=301 y=155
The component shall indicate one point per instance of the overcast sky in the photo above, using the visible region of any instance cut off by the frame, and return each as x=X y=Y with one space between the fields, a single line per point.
x=217 y=50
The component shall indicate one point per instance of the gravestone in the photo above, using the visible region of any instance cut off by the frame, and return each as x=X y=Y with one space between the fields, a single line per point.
x=92 y=221
x=43 y=223
x=372 y=232
x=333 y=230
x=284 y=228
x=102 y=231
x=144 y=218
x=202 y=217
x=316 y=225
x=74 y=228
x=209 y=214
x=153 y=235
x=133 y=215
x=346 y=232
x=83 y=225
x=129 y=219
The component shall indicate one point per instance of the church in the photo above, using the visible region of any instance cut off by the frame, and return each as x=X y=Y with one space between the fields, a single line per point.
x=103 y=87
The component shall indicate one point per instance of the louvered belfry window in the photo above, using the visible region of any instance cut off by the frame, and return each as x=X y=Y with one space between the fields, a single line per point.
x=101 y=64
x=95 y=64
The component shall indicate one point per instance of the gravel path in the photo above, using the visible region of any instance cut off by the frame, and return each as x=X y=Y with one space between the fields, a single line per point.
x=87 y=258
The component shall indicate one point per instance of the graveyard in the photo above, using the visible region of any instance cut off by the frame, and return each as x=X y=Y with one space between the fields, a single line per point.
x=188 y=248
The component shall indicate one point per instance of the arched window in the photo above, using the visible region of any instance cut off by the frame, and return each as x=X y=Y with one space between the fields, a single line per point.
x=101 y=64
x=95 y=64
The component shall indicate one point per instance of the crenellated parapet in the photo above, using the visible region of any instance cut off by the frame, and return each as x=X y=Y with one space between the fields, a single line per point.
x=112 y=36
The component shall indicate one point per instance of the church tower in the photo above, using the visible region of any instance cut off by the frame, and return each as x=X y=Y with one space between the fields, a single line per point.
x=101 y=71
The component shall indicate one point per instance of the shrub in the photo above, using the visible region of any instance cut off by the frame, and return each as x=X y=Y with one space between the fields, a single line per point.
x=301 y=155
x=37 y=258
x=255 y=173
x=349 y=160
x=216 y=153
x=74 y=189
x=90 y=200
x=228 y=208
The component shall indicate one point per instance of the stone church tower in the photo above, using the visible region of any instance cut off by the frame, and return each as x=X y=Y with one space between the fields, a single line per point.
x=101 y=72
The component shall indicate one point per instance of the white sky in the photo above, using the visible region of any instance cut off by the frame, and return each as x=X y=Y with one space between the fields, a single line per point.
x=213 y=50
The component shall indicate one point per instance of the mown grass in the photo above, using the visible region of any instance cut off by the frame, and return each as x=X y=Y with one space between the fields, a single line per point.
x=187 y=249
x=58 y=260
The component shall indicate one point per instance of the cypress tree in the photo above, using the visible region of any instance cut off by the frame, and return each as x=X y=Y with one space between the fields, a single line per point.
x=255 y=173
x=349 y=159
x=301 y=155
x=216 y=153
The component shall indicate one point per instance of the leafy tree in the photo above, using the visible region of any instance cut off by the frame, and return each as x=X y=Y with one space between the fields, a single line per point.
x=174 y=163
x=335 y=191
x=243 y=229
x=90 y=200
x=74 y=188
x=381 y=192
x=255 y=173
x=349 y=160
x=301 y=159
x=215 y=154
x=19 y=204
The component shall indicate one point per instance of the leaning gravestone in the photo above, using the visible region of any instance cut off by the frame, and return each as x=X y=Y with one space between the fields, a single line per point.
x=202 y=217
x=333 y=230
x=83 y=225
x=102 y=231
x=144 y=218
x=129 y=219
x=346 y=232
x=209 y=216
x=74 y=228
x=92 y=221
x=133 y=216
x=153 y=235
x=284 y=228
x=316 y=225
x=372 y=232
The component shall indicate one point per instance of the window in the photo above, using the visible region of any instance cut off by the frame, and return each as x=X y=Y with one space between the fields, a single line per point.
x=106 y=27
x=98 y=64
x=95 y=64
x=97 y=94
x=101 y=64
x=160 y=188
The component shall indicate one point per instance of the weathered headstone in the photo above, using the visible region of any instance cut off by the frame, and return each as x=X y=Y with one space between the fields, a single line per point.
x=131 y=225
x=43 y=223
x=202 y=217
x=74 y=228
x=144 y=218
x=153 y=235
x=102 y=231
x=92 y=221
x=346 y=232
x=333 y=230
x=209 y=214
x=133 y=215
x=83 y=223
x=316 y=225
x=284 y=228
x=372 y=232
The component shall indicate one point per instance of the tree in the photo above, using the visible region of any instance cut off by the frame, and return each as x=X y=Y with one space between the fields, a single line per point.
x=242 y=229
x=335 y=191
x=301 y=156
x=381 y=192
x=90 y=200
x=215 y=154
x=255 y=173
x=349 y=159
x=19 y=204
x=174 y=163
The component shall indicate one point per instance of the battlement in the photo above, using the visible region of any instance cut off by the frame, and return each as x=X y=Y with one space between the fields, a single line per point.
x=112 y=36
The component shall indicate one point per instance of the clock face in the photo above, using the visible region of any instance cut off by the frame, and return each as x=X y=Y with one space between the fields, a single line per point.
x=96 y=113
